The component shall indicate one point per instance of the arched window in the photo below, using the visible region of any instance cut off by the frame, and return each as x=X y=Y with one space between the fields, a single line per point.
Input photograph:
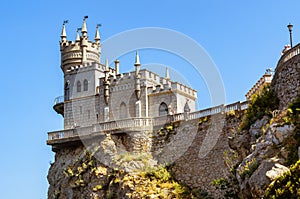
x=78 y=86
x=163 y=109
x=67 y=90
x=85 y=85
x=123 y=111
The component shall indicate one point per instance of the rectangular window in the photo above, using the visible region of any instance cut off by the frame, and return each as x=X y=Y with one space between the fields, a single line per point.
x=138 y=109
x=106 y=114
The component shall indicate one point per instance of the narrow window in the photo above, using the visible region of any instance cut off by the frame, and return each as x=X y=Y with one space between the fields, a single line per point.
x=67 y=90
x=78 y=86
x=85 y=85
x=106 y=114
x=88 y=114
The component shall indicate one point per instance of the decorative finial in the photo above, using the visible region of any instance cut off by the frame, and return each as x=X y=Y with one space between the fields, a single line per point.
x=137 y=59
x=167 y=74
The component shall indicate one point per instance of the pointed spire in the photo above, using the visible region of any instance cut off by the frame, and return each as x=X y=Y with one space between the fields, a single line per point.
x=77 y=35
x=84 y=29
x=63 y=32
x=167 y=74
x=137 y=59
x=97 y=35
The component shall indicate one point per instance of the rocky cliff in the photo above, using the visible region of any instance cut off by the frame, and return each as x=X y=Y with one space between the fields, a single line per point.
x=228 y=155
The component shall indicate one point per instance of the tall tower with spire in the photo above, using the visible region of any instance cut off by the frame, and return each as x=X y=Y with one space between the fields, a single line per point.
x=80 y=63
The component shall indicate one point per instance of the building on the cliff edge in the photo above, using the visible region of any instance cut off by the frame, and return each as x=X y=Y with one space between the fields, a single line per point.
x=99 y=99
x=96 y=93
x=265 y=80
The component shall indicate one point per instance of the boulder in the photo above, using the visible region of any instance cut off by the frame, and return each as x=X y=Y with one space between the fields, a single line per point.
x=276 y=171
x=258 y=181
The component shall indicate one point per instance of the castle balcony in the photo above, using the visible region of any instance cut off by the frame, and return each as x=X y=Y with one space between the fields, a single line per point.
x=70 y=136
x=59 y=105
x=75 y=135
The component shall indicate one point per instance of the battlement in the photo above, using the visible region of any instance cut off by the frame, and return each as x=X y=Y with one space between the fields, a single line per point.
x=81 y=51
x=88 y=66
x=72 y=54
x=151 y=80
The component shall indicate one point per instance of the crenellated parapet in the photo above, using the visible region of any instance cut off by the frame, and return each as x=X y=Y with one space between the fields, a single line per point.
x=81 y=51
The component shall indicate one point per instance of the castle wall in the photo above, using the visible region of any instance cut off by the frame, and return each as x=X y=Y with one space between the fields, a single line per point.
x=286 y=80
x=156 y=99
x=81 y=112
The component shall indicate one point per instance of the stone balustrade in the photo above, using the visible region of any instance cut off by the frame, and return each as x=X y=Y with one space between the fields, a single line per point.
x=138 y=124
x=289 y=54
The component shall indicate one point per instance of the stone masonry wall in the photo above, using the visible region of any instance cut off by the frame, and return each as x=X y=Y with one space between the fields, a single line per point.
x=286 y=81
x=195 y=149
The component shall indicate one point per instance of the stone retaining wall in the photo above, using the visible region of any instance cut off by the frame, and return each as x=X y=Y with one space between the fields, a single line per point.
x=286 y=81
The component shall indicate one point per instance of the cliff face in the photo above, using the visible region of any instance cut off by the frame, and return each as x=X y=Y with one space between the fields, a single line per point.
x=183 y=160
x=190 y=155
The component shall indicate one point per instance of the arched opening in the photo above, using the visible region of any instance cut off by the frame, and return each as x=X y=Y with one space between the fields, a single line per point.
x=163 y=109
x=123 y=111
x=67 y=90
x=78 y=86
x=85 y=85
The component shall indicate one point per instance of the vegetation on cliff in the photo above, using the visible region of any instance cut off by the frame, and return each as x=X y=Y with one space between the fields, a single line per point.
x=262 y=103
x=288 y=185
x=88 y=175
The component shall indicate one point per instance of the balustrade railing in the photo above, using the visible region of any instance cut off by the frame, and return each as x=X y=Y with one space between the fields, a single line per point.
x=59 y=100
x=143 y=123
x=290 y=54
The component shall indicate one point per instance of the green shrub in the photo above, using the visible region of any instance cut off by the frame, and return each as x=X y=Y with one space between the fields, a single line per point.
x=249 y=168
x=261 y=104
x=294 y=142
x=287 y=185
x=226 y=187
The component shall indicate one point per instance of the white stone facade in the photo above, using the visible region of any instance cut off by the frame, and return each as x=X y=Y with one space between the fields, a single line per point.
x=95 y=93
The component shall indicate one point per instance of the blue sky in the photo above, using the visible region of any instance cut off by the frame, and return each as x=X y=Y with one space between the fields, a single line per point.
x=242 y=37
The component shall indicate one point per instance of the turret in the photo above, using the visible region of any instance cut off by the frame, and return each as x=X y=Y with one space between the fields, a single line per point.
x=117 y=65
x=137 y=76
x=63 y=35
x=82 y=51
x=106 y=83
x=77 y=40
x=167 y=74
x=84 y=40
x=97 y=35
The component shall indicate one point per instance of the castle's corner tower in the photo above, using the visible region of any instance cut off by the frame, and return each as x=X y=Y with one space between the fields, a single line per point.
x=80 y=63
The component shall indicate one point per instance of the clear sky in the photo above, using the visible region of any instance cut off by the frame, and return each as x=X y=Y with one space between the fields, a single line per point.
x=242 y=37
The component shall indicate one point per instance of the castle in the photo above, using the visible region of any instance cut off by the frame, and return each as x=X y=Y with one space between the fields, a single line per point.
x=95 y=93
